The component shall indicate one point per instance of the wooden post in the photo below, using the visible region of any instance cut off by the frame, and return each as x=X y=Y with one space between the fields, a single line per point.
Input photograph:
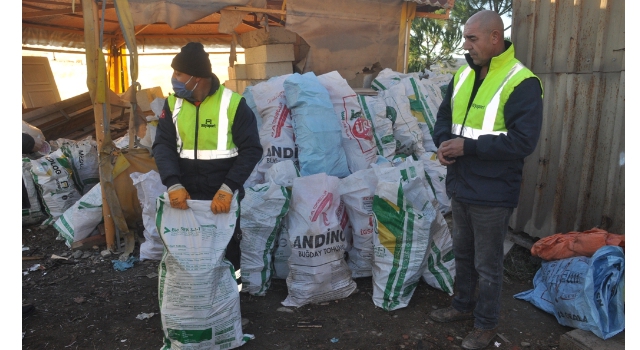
x=97 y=85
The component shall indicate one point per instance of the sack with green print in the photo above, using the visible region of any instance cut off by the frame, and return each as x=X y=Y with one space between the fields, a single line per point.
x=436 y=175
x=406 y=131
x=52 y=175
x=375 y=110
x=424 y=100
x=263 y=209
x=403 y=216
x=84 y=161
x=440 y=271
x=356 y=191
x=34 y=213
x=82 y=219
x=197 y=291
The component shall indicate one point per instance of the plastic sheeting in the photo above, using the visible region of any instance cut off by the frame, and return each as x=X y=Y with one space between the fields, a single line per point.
x=346 y=35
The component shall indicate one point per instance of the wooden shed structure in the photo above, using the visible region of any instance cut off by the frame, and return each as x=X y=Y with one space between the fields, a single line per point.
x=378 y=31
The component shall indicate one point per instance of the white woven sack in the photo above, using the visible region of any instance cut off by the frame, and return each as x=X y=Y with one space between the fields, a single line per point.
x=149 y=187
x=34 y=213
x=263 y=209
x=405 y=126
x=357 y=135
x=436 y=175
x=316 y=220
x=276 y=133
x=82 y=218
x=375 y=110
x=440 y=271
x=84 y=161
x=198 y=294
x=282 y=252
x=403 y=216
x=52 y=176
x=357 y=191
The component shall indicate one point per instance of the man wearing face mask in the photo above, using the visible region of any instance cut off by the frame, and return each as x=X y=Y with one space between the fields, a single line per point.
x=207 y=140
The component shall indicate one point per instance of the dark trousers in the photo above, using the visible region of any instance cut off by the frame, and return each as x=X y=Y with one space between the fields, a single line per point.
x=478 y=238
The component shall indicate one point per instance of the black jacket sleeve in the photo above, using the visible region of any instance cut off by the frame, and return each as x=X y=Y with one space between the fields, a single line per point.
x=245 y=136
x=442 y=128
x=523 y=119
x=165 y=148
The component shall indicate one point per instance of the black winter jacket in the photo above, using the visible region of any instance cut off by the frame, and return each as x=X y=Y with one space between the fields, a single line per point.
x=490 y=171
x=203 y=178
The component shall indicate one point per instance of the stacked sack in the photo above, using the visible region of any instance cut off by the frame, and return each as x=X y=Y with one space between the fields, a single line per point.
x=323 y=227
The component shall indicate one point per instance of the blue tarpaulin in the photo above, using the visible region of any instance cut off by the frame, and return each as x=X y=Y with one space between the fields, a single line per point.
x=582 y=292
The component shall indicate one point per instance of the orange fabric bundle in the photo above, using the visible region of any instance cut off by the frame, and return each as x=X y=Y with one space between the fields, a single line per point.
x=567 y=245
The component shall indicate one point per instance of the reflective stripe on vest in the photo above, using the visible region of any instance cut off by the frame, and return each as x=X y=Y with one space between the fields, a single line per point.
x=223 y=125
x=463 y=76
x=176 y=110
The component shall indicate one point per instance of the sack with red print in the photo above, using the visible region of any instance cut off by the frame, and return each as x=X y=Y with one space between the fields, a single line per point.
x=357 y=134
x=316 y=224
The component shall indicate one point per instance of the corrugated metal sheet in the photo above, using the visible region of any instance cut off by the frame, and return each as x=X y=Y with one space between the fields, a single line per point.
x=575 y=179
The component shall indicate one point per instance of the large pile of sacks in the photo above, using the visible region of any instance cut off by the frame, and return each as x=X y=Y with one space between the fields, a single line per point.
x=61 y=185
x=348 y=186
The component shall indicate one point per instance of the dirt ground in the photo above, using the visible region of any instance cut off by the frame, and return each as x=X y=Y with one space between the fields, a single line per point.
x=84 y=303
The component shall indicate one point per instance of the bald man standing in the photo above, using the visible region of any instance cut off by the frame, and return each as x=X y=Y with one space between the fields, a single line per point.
x=488 y=122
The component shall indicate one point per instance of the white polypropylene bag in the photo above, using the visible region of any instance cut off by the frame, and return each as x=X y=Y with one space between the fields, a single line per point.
x=318 y=131
x=82 y=218
x=52 y=176
x=405 y=126
x=248 y=97
x=436 y=175
x=282 y=174
x=441 y=81
x=357 y=191
x=149 y=188
x=263 y=209
x=375 y=110
x=34 y=213
x=357 y=135
x=84 y=162
x=198 y=294
x=282 y=252
x=276 y=134
x=316 y=221
x=403 y=216
x=440 y=271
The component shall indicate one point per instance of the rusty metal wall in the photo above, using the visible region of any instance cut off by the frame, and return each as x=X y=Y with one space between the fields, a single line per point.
x=574 y=180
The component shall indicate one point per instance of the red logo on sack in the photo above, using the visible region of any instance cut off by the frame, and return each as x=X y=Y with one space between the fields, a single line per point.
x=321 y=205
x=362 y=129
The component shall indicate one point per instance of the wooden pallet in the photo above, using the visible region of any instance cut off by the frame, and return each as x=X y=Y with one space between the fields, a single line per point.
x=73 y=118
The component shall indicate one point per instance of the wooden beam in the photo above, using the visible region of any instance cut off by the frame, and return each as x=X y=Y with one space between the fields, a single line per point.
x=255 y=10
x=40 y=2
x=162 y=36
x=433 y=15
x=64 y=11
x=62 y=29
x=26 y=48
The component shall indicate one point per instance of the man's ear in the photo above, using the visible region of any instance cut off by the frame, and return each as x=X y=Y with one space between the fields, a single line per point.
x=495 y=37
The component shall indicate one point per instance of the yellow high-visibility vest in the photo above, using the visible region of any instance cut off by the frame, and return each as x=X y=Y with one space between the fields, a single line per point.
x=485 y=116
x=212 y=134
